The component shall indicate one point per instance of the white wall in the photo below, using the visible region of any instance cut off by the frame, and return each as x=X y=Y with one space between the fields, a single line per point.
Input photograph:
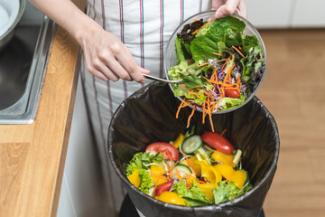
x=286 y=13
x=309 y=13
x=81 y=194
x=262 y=13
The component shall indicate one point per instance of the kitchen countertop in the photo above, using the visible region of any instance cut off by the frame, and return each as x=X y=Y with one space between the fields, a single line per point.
x=32 y=156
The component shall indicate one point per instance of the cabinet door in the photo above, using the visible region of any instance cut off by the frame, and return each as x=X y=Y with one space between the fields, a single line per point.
x=270 y=13
x=309 y=13
x=82 y=193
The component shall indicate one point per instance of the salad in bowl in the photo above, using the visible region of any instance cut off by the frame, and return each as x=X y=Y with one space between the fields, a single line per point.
x=220 y=64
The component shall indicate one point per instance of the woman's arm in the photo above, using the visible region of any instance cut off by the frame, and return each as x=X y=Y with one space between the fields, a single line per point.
x=106 y=56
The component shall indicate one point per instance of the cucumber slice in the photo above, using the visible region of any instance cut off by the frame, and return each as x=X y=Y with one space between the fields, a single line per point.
x=237 y=157
x=181 y=171
x=191 y=144
x=202 y=155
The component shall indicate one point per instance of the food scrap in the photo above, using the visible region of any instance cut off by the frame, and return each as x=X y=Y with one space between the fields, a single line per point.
x=194 y=170
x=219 y=65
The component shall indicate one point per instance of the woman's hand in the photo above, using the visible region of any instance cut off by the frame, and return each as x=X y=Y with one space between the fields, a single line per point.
x=228 y=7
x=107 y=57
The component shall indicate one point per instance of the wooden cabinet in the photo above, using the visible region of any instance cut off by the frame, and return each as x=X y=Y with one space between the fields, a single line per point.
x=81 y=193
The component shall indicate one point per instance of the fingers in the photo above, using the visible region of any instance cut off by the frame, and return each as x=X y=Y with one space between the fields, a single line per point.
x=105 y=70
x=217 y=3
x=97 y=68
x=241 y=10
x=100 y=75
x=227 y=9
x=128 y=63
x=110 y=61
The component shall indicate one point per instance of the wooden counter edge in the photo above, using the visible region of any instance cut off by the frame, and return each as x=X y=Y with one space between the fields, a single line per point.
x=74 y=56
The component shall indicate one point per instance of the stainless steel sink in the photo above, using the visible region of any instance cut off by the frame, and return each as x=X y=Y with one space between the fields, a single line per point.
x=22 y=69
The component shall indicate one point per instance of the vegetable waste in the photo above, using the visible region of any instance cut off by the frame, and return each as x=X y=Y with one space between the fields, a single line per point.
x=219 y=65
x=191 y=171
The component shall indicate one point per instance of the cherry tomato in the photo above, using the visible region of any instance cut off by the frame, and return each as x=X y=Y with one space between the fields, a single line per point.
x=218 y=142
x=232 y=93
x=163 y=187
x=167 y=150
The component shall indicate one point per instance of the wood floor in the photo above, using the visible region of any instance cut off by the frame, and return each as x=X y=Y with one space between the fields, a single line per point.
x=294 y=91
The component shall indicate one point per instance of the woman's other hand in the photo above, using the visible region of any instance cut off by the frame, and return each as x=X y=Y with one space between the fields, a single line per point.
x=228 y=7
x=107 y=57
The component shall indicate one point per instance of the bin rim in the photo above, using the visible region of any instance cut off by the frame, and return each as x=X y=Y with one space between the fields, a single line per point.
x=109 y=153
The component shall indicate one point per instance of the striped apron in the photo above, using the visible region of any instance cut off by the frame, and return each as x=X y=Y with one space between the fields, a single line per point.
x=144 y=26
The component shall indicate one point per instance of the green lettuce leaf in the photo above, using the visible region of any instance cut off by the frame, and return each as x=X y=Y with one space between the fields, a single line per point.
x=193 y=195
x=141 y=160
x=227 y=102
x=227 y=191
x=216 y=37
x=146 y=182
x=179 y=50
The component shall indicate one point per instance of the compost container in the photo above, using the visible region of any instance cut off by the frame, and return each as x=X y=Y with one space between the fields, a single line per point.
x=149 y=115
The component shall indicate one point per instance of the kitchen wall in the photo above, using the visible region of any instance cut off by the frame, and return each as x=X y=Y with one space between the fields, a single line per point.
x=286 y=13
x=265 y=13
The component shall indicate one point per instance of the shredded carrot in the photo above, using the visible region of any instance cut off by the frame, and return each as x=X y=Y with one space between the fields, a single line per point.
x=232 y=88
x=214 y=75
x=203 y=112
x=210 y=116
x=203 y=64
x=224 y=84
x=221 y=85
x=223 y=92
x=217 y=54
x=228 y=74
x=179 y=109
x=238 y=80
x=181 y=105
x=238 y=51
x=190 y=117
x=196 y=31
x=223 y=66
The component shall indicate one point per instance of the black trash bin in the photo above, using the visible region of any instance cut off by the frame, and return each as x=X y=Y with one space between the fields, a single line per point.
x=149 y=115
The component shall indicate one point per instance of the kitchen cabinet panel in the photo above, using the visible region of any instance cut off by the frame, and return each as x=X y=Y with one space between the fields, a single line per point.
x=270 y=14
x=82 y=194
x=309 y=13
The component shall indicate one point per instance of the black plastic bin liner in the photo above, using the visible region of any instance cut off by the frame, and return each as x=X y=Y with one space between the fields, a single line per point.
x=149 y=115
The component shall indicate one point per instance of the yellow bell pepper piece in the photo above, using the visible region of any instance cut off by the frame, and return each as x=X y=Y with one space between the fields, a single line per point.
x=217 y=174
x=171 y=197
x=156 y=170
x=207 y=189
x=223 y=158
x=157 y=174
x=134 y=178
x=179 y=140
x=194 y=164
x=225 y=170
x=190 y=180
x=239 y=178
x=158 y=180
x=211 y=174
